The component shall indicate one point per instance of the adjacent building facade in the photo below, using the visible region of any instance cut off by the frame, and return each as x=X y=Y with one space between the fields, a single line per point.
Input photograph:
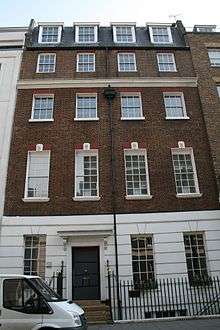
x=69 y=139
x=11 y=44
x=204 y=42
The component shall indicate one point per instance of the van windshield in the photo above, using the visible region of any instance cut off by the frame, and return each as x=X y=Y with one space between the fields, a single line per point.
x=45 y=290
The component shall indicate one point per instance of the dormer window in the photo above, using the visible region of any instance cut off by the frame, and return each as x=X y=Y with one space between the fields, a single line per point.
x=160 y=34
x=49 y=34
x=124 y=33
x=86 y=33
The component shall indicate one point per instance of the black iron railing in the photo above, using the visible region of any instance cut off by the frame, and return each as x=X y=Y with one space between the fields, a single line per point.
x=56 y=281
x=170 y=297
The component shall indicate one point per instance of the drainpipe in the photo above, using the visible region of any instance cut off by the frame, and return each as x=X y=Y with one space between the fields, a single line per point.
x=110 y=94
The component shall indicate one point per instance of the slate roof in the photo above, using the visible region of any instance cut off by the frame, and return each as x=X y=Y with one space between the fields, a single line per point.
x=105 y=39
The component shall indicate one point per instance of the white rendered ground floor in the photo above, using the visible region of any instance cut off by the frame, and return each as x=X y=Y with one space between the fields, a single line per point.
x=87 y=242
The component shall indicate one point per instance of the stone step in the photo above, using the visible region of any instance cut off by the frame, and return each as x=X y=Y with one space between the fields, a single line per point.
x=96 y=312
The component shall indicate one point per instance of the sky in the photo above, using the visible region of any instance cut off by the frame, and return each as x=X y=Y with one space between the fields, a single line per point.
x=191 y=12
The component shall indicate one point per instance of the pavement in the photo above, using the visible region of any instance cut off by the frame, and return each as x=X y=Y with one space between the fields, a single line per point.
x=199 y=324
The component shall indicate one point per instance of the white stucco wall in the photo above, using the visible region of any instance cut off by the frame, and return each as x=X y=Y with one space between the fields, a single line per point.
x=10 y=64
x=167 y=230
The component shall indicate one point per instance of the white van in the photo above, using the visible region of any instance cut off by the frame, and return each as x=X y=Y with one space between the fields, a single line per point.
x=27 y=303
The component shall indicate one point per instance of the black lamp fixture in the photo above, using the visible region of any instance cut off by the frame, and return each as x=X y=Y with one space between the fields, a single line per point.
x=109 y=93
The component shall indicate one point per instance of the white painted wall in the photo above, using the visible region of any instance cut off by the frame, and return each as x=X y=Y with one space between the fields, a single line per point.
x=10 y=64
x=167 y=230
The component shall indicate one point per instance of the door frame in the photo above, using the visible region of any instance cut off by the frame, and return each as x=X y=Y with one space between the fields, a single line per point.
x=98 y=264
x=86 y=242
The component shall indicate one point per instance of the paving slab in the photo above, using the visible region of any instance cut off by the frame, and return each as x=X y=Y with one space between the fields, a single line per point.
x=199 y=324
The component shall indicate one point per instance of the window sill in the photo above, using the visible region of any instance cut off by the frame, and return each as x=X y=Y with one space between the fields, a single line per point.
x=36 y=199
x=177 y=118
x=138 y=197
x=85 y=71
x=49 y=42
x=87 y=42
x=134 y=118
x=167 y=71
x=193 y=195
x=85 y=199
x=40 y=120
x=127 y=71
x=45 y=71
x=86 y=119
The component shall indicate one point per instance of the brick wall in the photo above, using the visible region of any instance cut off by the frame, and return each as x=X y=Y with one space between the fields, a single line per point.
x=106 y=64
x=207 y=89
x=154 y=133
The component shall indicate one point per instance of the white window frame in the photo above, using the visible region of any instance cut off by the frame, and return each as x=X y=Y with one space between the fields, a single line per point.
x=147 y=259
x=132 y=153
x=77 y=62
x=60 y=27
x=35 y=199
x=214 y=50
x=218 y=90
x=135 y=64
x=38 y=63
x=188 y=150
x=33 y=104
x=138 y=94
x=86 y=25
x=173 y=60
x=132 y=32
x=163 y=27
x=193 y=233
x=84 y=153
x=180 y=94
x=40 y=262
x=76 y=103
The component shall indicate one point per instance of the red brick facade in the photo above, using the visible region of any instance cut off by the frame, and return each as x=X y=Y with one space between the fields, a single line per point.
x=210 y=101
x=155 y=133
x=106 y=64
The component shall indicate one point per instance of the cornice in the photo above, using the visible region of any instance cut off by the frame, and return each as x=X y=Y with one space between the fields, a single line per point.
x=114 y=82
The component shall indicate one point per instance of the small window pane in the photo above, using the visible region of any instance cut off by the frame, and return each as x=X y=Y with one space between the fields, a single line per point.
x=161 y=34
x=142 y=259
x=38 y=175
x=46 y=63
x=43 y=107
x=86 y=34
x=166 y=62
x=50 y=34
x=124 y=34
x=86 y=62
x=34 y=255
x=86 y=107
x=131 y=106
x=86 y=175
x=126 y=62
x=214 y=57
x=185 y=176
x=195 y=256
x=174 y=106
x=136 y=178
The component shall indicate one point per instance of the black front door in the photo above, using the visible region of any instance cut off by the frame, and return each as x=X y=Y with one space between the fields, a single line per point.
x=86 y=275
